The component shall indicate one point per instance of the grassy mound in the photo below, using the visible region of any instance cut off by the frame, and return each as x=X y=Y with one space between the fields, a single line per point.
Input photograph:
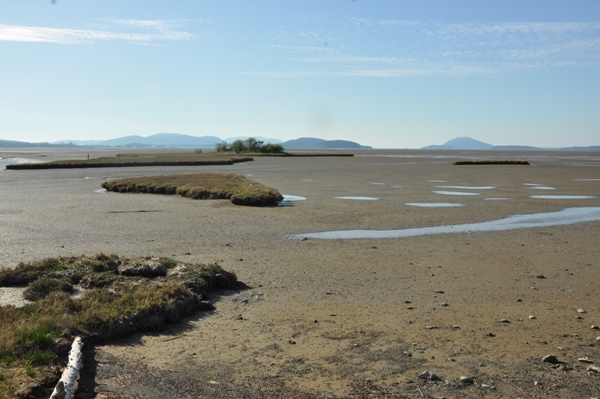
x=124 y=160
x=122 y=296
x=240 y=190
x=491 y=162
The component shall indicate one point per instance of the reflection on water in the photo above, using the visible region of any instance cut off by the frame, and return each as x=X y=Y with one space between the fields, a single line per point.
x=359 y=198
x=7 y=161
x=434 y=204
x=564 y=217
x=469 y=187
x=586 y=179
x=560 y=197
x=454 y=193
x=542 y=188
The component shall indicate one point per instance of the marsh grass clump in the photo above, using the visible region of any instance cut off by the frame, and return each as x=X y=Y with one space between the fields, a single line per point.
x=118 y=302
x=126 y=160
x=43 y=286
x=237 y=188
x=71 y=268
x=491 y=162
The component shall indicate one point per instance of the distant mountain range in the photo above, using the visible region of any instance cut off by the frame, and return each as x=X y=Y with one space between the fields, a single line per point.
x=176 y=140
x=467 y=143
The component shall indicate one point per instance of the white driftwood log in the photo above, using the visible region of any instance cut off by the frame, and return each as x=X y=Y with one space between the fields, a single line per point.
x=64 y=388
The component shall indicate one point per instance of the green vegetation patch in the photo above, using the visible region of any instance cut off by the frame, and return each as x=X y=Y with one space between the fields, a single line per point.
x=237 y=188
x=250 y=145
x=124 y=160
x=121 y=296
x=491 y=162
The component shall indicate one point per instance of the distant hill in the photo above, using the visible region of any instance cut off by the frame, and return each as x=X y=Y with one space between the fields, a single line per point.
x=315 y=143
x=176 y=140
x=461 y=143
x=303 y=142
x=467 y=143
x=331 y=144
x=164 y=140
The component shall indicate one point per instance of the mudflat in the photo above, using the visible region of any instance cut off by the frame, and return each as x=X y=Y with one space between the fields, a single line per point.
x=322 y=316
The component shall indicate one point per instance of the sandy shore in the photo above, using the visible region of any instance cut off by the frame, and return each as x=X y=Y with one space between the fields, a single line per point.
x=323 y=314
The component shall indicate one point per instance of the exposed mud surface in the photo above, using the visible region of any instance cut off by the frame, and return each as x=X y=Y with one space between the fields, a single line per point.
x=439 y=298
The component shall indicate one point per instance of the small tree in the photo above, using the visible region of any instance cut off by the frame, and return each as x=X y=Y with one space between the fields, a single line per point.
x=221 y=147
x=238 y=146
x=253 y=145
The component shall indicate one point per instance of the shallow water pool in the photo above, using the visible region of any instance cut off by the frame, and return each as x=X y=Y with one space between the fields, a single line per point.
x=454 y=193
x=289 y=199
x=434 y=204
x=564 y=217
x=469 y=187
x=562 y=197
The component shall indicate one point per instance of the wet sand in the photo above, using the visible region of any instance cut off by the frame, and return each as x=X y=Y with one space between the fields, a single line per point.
x=322 y=314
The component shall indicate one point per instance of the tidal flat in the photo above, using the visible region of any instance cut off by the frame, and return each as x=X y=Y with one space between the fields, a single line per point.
x=323 y=317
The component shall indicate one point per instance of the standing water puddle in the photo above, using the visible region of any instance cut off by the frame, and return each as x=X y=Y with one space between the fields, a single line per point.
x=542 y=188
x=469 y=187
x=454 y=193
x=562 y=196
x=288 y=199
x=434 y=204
x=564 y=217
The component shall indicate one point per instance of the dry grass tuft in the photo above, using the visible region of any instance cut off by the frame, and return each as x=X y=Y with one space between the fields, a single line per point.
x=124 y=297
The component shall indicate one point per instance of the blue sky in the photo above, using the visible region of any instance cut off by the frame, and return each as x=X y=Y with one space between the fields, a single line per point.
x=396 y=74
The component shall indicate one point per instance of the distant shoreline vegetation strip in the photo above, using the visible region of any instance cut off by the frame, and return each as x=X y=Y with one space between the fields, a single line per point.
x=491 y=162
x=237 y=188
x=119 y=163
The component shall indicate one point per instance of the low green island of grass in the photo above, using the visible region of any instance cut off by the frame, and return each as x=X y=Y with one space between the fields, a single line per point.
x=237 y=188
x=491 y=162
x=120 y=297
x=126 y=160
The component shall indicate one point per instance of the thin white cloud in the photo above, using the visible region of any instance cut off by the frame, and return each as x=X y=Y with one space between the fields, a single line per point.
x=397 y=48
x=16 y=33
x=158 y=24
